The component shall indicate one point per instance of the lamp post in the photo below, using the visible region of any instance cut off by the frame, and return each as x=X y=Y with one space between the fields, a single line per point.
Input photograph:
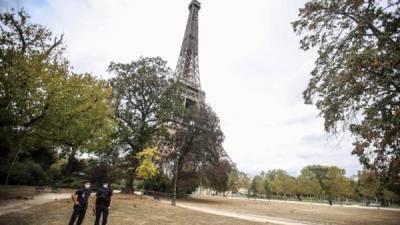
x=178 y=155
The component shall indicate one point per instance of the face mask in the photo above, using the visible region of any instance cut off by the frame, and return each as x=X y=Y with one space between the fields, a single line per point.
x=105 y=185
x=87 y=186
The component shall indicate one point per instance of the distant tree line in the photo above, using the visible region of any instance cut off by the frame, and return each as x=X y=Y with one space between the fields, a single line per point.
x=58 y=127
x=315 y=183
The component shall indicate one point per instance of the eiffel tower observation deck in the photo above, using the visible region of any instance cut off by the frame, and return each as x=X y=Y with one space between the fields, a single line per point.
x=187 y=69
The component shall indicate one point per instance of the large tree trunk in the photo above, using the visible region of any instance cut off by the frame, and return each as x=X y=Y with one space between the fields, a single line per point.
x=11 y=166
x=130 y=175
x=129 y=184
x=72 y=162
x=380 y=196
x=129 y=179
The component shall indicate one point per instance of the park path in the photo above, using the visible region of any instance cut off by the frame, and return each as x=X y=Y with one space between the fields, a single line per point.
x=238 y=215
x=243 y=216
x=317 y=204
x=15 y=205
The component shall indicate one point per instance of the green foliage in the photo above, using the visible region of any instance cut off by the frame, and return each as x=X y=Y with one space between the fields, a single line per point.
x=159 y=183
x=44 y=106
x=308 y=183
x=244 y=180
x=144 y=100
x=257 y=185
x=356 y=82
x=79 y=114
x=76 y=183
x=233 y=180
x=280 y=182
x=368 y=184
x=217 y=176
x=119 y=185
x=55 y=170
x=28 y=59
x=199 y=139
x=331 y=180
x=28 y=172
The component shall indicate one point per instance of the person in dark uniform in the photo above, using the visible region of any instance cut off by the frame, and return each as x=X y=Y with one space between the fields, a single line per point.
x=80 y=200
x=102 y=204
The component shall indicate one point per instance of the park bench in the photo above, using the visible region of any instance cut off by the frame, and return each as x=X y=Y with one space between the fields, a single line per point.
x=156 y=197
x=40 y=189
x=54 y=189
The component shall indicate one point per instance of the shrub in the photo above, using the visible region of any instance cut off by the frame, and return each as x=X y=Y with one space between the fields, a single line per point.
x=29 y=173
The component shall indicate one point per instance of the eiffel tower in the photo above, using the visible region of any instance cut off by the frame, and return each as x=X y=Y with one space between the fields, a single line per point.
x=187 y=69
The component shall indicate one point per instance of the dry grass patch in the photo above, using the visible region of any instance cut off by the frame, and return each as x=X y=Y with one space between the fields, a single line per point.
x=122 y=212
x=22 y=191
x=301 y=212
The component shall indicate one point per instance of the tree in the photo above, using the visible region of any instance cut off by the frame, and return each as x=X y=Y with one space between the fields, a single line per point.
x=356 y=82
x=217 y=176
x=308 y=183
x=335 y=182
x=199 y=139
x=80 y=115
x=144 y=100
x=368 y=184
x=325 y=182
x=280 y=182
x=253 y=188
x=244 y=181
x=233 y=181
x=25 y=57
x=267 y=186
x=331 y=180
x=44 y=106
x=258 y=185
x=291 y=185
x=105 y=165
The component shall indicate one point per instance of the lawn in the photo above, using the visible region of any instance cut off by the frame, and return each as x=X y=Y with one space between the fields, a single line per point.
x=122 y=212
x=128 y=209
x=300 y=212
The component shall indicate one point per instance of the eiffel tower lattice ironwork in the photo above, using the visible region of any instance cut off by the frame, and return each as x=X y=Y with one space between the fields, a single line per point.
x=187 y=69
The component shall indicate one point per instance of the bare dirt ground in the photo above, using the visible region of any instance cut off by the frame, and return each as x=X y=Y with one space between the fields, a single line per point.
x=244 y=216
x=300 y=213
x=123 y=212
x=24 y=192
x=15 y=205
x=320 y=204
x=16 y=198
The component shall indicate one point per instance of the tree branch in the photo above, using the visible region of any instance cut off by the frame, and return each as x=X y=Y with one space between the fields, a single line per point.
x=54 y=45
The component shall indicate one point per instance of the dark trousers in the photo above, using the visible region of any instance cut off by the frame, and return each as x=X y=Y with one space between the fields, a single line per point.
x=79 y=212
x=101 y=210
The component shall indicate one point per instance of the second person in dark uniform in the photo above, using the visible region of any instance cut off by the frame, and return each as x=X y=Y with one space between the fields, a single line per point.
x=102 y=204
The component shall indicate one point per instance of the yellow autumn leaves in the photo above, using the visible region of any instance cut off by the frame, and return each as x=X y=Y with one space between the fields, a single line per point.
x=147 y=163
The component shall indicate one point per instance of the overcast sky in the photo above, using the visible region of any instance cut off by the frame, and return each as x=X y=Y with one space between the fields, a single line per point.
x=251 y=68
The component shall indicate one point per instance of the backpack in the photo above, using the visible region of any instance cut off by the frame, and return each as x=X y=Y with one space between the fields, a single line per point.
x=103 y=194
